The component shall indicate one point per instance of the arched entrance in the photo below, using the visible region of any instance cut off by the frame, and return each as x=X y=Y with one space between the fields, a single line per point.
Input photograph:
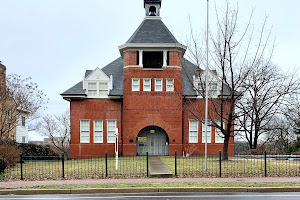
x=154 y=140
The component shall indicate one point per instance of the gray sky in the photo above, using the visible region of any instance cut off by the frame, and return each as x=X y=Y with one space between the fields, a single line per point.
x=55 y=41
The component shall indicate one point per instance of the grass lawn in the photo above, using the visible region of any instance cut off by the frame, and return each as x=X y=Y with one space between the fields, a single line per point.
x=207 y=184
x=79 y=168
x=193 y=166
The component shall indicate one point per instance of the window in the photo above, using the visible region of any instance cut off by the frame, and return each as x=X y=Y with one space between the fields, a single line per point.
x=92 y=89
x=218 y=133
x=170 y=85
x=23 y=121
x=84 y=131
x=111 y=130
x=147 y=84
x=193 y=131
x=212 y=89
x=208 y=133
x=103 y=89
x=158 y=85
x=135 y=84
x=152 y=59
x=23 y=139
x=98 y=131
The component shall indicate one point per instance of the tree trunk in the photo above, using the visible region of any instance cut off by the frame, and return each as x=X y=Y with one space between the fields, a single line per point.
x=225 y=147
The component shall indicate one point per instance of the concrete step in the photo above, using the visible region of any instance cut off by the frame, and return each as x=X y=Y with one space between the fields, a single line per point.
x=158 y=169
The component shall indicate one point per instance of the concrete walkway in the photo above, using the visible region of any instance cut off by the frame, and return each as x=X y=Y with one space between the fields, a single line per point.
x=158 y=169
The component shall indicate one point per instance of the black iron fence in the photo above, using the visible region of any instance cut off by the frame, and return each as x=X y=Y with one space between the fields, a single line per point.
x=98 y=167
x=236 y=166
x=76 y=167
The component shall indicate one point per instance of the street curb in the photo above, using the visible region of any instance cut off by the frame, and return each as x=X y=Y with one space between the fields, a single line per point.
x=147 y=190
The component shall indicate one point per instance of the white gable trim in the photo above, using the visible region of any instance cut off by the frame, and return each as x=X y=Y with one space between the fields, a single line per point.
x=92 y=73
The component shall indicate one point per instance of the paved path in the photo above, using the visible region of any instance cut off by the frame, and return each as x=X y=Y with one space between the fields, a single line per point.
x=19 y=184
x=158 y=169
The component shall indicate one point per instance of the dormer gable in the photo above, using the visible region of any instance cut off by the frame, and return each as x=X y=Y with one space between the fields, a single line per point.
x=214 y=84
x=97 y=74
x=97 y=84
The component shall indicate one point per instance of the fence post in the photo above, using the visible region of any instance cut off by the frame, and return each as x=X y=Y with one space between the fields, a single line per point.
x=175 y=163
x=106 y=164
x=265 y=164
x=21 y=162
x=63 y=164
x=220 y=161
x=147 y=165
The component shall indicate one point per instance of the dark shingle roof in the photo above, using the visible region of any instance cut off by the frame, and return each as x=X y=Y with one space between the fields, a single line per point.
x=152 y=31
x=115 y=69
x=75 y=90
x=188 y=70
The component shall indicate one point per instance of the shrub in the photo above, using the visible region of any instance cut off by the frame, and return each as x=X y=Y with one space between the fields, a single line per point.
x=294 y=148
x=32 y=151
x=3 y=164
x=9 y=151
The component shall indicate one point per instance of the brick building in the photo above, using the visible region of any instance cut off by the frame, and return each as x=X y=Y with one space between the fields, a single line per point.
x=148 y=94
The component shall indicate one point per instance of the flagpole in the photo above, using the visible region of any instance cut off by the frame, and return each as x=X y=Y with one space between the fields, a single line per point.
x=206 y=85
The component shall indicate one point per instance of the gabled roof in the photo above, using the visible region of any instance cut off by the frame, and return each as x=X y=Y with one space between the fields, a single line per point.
x=115 y=69
x=152 y=31
x=188 y=70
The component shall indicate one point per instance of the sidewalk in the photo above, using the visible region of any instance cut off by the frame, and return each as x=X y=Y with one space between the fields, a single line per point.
x=20 y=184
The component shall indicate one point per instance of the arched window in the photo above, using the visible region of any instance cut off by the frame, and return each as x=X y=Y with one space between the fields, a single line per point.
x=152 y=11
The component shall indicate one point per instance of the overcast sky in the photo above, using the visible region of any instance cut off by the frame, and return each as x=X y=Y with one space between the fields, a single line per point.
x=55 y=41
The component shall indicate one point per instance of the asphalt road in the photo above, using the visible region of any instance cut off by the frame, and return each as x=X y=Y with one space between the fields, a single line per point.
x=164 y=196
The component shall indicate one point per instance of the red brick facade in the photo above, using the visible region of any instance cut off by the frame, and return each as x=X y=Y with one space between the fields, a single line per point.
x=140 y=109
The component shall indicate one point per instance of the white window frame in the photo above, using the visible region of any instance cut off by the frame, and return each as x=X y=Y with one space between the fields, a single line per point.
x=190 y=132
x=110 y=133
x=144 y=80
x=213 y=92
x=208 y=131
x=218 y=131
x=162 y=83
x=101 y=89
x=88 y=89
x=89 y=139
x=171 y=89
x=96 y=131
x=23 y=121
x=138 y=80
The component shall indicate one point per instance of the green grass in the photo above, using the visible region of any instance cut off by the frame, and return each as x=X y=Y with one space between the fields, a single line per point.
x=79 y=168
x=192 y=166
x=234 y=167
x=202 y=184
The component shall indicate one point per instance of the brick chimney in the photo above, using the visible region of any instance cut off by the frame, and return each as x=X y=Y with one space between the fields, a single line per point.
x=2 y=76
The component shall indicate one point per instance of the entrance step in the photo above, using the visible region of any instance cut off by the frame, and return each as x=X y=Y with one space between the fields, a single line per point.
x=158 y=169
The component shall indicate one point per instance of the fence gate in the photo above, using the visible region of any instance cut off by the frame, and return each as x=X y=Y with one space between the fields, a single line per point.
x=153 y=140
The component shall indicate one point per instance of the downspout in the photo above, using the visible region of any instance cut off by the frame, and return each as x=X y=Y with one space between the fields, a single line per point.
x=121 y=127
x=183 y=102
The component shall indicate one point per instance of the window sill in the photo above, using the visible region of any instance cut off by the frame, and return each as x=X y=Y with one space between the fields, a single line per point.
x=157 y=69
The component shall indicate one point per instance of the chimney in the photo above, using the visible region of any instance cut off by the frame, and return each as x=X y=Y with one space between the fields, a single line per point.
x=2 y=76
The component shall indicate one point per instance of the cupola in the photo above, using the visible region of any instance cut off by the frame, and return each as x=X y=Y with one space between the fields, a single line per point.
x=152 y=7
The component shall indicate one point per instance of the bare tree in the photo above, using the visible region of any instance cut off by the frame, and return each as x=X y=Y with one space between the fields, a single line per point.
x=17 y=97
x=234 y=54
x=267 y=92
x=57 y=129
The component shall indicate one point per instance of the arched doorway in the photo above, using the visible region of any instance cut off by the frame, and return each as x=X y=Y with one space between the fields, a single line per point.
x=154 y=140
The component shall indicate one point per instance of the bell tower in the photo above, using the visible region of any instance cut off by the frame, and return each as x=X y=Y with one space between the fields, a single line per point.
x=152 y=7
